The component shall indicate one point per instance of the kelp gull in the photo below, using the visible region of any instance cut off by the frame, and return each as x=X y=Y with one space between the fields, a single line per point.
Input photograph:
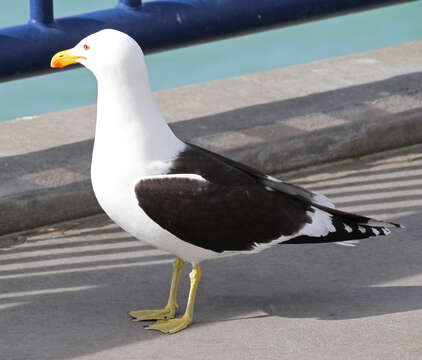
x=179 y=197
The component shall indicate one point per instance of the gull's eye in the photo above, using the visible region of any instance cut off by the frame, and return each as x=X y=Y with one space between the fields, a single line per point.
x=86 y=47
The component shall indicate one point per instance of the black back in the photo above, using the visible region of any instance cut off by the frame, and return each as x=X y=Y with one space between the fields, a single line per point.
x=232 y=210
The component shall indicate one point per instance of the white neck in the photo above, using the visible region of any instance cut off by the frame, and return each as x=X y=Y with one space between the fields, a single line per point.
x=129 y=122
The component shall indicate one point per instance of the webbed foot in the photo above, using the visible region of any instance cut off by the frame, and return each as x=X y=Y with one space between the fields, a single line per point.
x=167 y=313
x=171 y=326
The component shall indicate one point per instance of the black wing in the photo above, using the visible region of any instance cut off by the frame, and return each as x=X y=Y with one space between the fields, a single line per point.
x=220 y=217
x=195 y=151
x=218 y=204
x=317 y=200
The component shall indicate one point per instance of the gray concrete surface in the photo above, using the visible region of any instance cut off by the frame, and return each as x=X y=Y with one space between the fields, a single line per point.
x=274 y=120
x=66 y=291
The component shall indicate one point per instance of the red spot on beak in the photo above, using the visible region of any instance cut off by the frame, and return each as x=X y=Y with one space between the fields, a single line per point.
x=58 y=64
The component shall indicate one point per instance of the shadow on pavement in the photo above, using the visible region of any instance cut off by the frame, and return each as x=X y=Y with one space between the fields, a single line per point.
x=69 y=296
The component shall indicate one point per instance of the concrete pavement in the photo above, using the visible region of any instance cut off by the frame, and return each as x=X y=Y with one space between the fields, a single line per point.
x=66 y=290
x=274 y=120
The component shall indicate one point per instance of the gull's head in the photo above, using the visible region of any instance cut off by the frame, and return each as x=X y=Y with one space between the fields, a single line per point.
x=104 y=52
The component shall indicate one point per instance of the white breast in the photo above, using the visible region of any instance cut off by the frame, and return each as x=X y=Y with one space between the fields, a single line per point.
x=114 y=174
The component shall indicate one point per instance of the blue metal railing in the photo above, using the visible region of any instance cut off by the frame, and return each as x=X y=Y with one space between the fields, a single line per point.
x=157 y=25
x=41 y=12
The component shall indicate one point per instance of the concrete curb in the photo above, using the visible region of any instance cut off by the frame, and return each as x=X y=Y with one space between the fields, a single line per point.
x=276 y=121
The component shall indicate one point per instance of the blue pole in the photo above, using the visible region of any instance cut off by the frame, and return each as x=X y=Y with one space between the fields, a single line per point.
x=158 y=25
x=41 y=12
x=131 y=4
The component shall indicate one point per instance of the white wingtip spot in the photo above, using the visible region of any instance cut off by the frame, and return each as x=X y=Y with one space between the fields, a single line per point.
x=362 y=229
x=386 y=231
x=321 y=225
x=348 y=228
x=375 y=231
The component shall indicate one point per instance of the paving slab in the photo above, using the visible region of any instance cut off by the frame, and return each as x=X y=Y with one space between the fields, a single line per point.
x=67 y=288
x=275 y=120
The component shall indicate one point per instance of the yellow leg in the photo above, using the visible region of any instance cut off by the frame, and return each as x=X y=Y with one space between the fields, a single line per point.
x=175 y=325
x=169 y=310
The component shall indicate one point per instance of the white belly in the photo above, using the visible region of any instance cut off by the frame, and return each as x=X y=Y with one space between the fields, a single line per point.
x=114 y=187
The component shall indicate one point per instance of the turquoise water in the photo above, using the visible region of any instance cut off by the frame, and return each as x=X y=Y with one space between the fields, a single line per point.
x=258 y=52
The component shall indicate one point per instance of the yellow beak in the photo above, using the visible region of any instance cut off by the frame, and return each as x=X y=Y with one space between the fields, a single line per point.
x=63 y=58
